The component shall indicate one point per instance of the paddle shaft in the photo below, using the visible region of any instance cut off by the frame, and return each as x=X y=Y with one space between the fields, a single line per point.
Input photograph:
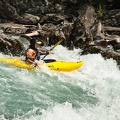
x=53 y=47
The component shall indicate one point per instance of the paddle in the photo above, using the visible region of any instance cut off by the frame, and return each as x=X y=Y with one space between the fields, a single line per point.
x=53 y=47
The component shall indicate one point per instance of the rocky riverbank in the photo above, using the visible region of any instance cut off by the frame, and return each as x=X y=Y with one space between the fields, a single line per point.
x=79 y=23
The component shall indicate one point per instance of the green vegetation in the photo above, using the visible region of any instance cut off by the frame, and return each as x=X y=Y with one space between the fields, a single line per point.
x=100 y=7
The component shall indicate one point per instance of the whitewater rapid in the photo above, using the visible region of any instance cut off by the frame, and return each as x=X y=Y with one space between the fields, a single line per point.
x=89 y=93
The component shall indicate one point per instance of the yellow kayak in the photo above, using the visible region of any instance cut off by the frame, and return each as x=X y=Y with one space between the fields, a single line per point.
x=52 y=64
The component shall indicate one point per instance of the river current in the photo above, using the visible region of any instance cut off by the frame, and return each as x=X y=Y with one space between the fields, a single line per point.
x=89 y=93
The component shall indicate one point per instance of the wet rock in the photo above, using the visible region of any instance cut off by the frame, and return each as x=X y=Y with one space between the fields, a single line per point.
x=27 y=19
x=52 y=18
x=112 y=18
x=82 y=25
x=10 y=46
x=115 y=43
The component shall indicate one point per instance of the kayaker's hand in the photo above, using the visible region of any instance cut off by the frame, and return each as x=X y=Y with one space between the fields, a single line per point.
x=36 y=62
x=47 y=52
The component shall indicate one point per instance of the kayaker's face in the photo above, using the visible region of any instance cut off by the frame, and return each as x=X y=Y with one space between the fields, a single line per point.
x=37 y=45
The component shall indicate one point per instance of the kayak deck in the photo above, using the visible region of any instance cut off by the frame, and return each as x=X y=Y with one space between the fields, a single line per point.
x=56 y=65
x=59 y=65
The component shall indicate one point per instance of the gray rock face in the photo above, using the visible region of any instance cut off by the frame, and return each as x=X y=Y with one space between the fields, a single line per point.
x=10 y=46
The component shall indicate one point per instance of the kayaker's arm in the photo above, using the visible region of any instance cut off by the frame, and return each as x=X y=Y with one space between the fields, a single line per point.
x=53 y=47
x=44 y=52
x=30 y=61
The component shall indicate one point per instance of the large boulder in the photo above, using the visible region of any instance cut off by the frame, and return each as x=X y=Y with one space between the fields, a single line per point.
x=27 y=19
x=10 y=46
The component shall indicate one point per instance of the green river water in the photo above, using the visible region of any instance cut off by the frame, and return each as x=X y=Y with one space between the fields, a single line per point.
x=89 y=93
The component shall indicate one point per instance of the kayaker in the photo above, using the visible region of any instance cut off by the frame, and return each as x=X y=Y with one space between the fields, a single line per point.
x=32 y=53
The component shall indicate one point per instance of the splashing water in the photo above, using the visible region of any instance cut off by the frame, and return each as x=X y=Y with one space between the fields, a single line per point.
x=89 y=93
